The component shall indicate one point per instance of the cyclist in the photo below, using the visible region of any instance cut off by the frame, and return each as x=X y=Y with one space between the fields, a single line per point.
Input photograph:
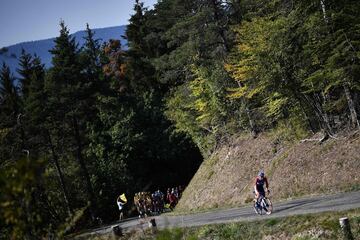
x=260 y=181
x=121 y=201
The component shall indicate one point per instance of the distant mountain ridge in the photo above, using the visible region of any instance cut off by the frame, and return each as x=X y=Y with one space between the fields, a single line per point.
x=10 y=55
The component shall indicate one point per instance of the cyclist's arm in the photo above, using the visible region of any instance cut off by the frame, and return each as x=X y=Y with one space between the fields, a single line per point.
x=255 y=188
x=267 y=184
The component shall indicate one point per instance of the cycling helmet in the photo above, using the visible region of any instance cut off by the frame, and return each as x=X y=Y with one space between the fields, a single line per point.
x=261 y=173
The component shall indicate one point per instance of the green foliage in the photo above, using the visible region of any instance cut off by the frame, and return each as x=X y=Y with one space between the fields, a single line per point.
x=175 y=234
x=188 y=64
x=10 y=139
x=296 y=227
x=110 y=121
x=10 y=104
x=97 y=116
x=196 y=109
x=25 y=71
x=21 y=210
x=288 y=63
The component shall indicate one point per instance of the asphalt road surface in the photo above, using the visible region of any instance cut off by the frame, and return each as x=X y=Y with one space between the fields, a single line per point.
x=317 y=204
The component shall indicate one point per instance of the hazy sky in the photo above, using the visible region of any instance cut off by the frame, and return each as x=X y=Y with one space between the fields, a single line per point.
x=27 y=20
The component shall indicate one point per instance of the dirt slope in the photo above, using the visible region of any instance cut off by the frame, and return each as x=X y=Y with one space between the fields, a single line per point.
x=226 y=178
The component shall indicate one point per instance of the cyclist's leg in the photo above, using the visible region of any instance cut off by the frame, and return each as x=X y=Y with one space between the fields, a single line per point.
x=256 y=199
x=261 y=196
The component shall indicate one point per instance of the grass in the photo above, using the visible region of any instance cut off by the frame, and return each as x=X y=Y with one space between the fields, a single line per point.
x=212 y=161
x=304 y=227
x=352 y=188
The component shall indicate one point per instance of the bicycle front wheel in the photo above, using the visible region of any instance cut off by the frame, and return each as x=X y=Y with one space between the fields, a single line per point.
x=268 y=206
x=256 y=208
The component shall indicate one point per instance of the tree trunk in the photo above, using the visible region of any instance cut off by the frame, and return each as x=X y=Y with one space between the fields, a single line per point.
x=323 y=8
x=326 y=117
x=322 y=117
x=84 y=170
x=356 y=101
x=22 y=131
x=252 y=124
x=351 y=105
x=251 y=121
x=308 y=119
x=60 y=175
x=317 y=104
x=215 y=6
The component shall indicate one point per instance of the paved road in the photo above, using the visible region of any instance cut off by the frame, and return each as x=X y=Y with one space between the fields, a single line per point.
x=335 y=202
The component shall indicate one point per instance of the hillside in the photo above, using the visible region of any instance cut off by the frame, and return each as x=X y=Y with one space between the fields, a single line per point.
x=196 y=79
x=225 y=179
x=10 y=55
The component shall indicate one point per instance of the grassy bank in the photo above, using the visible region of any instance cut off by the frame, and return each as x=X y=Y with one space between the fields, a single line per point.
x=294 y=169
x=304 y=227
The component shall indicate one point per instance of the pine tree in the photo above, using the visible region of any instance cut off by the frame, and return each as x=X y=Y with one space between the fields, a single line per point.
x=26 y=72
x=195 y=37
x=265 y=64
x=331 y=27
x=9 y=97
x=344 y=61
x=67 y=91
x=139 y=68
x=10 y=137
x=147 y=72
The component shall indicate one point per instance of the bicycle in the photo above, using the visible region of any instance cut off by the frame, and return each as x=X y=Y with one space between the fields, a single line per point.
x=263 y=204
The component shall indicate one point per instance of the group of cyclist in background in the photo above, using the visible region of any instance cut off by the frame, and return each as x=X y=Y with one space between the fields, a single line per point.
x=148 y=203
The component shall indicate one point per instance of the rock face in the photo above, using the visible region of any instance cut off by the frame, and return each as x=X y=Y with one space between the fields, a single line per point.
x=303 y=168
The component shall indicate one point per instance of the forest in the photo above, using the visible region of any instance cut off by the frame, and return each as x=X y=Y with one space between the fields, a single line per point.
x=106 y=119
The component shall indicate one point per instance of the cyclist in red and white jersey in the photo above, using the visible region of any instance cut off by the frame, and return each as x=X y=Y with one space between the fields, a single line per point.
x=259 y=183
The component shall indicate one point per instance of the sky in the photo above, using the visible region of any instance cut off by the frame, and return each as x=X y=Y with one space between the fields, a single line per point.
x=28 y=20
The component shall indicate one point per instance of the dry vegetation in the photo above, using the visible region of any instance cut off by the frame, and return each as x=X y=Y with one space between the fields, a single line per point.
x=302 y=168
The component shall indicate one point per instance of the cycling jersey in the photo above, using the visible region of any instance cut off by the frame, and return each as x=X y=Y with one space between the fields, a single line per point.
x=259 y=183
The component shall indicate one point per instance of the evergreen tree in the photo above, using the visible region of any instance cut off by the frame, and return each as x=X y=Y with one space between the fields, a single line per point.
x=110 y=130
x=9 y=97
x=26 y=72
x=67 y=91
x=344 y=62
x=198 y=42
x=156 y=148
x=11 y=146
x=22 y=210
x=139 y=68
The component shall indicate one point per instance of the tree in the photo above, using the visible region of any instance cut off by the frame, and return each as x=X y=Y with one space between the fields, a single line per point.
x=332 y=48
x=196 y=37
x=138 y=67
x=25 y=71
x=67 y=91
x=21 y=200
x=9 y=115
x=8 y=96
